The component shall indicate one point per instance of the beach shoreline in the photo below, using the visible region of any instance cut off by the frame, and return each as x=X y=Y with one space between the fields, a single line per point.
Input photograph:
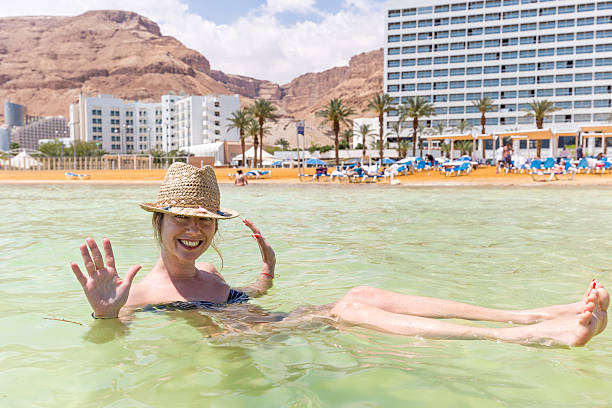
x=480 y=177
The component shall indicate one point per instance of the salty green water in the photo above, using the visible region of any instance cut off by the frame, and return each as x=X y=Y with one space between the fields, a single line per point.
x=502 y=247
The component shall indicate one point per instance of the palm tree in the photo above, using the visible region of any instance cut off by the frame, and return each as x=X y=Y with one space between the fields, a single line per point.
x=253 y=131
x=346 y=137
x=262 y=110
x=540 y=110
x=464 y=126
x=335 y=113
x=396 y=130
x=283 y=143
x=483 y=105
x=240 y=120
x=465 y=147
x=439 y=128
x=417 y=107
x=380 y=104
x=364 y=131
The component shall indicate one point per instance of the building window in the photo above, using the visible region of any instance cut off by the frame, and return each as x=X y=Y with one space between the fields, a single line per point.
x=510 y=15
x=393 y=63
x=529 y=13
x=508 y=81
x=603 y=75
x=565 y=50
x=586 y=7
x=408 y=75
x=461 y=58
x=441 y=72
x=584 y=77
x=424 y=87
x=475 y=83
x=408 y=62
x=393 y=75
x=475 y=18
x=457 y=97
x=457 y=72
x=602 y=103
x=585 y=21
x=546 y=38
x=475 y=70
x=457 y=84
x=510 y=28
x=474 y=57
x=424 y=74
x=605 y=89
x=474 y=31
x=528 y=54
x=458 y=7
x=583 y=90
x=394 y=26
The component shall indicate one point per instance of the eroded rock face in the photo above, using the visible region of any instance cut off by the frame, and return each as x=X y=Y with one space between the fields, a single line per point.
x=47 y=61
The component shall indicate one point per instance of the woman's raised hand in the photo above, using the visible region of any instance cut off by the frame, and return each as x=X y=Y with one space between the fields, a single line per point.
x=267 y=253
x=105 y=290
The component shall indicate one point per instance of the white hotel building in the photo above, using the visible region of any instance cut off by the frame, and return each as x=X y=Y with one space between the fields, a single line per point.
x=177 y=122
x=453 y=52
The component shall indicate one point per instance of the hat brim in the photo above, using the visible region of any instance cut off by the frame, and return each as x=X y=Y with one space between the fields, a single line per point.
x=222 y=214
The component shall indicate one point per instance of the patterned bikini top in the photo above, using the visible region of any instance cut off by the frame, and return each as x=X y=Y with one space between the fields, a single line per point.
x=235 y=296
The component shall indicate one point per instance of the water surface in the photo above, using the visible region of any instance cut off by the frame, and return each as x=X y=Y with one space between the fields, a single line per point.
x=500 y=247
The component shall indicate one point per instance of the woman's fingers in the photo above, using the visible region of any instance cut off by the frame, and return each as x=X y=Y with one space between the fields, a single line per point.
x=78 y=274
x=252 y=226
x=95 y=253
x=108 y=251
x=129 y=276
x=89 y=264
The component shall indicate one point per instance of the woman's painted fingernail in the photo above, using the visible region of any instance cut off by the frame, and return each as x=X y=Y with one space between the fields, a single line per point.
x=256 y=236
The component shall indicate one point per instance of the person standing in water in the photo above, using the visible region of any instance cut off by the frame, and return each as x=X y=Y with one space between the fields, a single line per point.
x=240 y=180
x=185 y=220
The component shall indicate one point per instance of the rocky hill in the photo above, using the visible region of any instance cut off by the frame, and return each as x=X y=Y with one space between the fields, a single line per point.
x=47 y=61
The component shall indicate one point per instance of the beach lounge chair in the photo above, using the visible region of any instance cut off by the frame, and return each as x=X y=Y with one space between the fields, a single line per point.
x=549 y=163
x=71 y=176
x=583 y=165
x=321 y=174
x=463 y=168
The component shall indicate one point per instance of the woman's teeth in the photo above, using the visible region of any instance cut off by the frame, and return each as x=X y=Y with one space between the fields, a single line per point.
x=188 y=243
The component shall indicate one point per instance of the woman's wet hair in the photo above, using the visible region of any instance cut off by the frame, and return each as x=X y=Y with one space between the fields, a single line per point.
x=157 y=221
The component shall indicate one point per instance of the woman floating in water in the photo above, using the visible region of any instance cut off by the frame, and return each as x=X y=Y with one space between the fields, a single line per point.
x=185 y=218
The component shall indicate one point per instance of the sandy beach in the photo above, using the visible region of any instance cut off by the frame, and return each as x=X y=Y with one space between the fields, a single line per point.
x=481 y=176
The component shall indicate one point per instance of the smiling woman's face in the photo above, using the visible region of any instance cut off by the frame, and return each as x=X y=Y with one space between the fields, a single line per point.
x=186 y=237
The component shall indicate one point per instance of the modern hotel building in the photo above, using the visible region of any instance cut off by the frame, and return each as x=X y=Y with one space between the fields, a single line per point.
x=513 y=51
x=177 y=122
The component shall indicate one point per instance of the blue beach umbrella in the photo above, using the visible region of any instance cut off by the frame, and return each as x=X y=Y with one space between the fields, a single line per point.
x=315 y=162
x=387 y=161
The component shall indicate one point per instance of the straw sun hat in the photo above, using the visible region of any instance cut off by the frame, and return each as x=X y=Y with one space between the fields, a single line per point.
x=189 y=191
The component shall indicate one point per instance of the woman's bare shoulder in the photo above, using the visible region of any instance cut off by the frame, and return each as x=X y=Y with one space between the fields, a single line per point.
x=209 y=268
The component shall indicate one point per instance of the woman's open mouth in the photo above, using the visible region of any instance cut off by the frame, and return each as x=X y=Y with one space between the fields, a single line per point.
x=189 y=244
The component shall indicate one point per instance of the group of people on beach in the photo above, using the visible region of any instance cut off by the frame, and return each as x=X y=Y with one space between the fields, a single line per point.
x=185 y=219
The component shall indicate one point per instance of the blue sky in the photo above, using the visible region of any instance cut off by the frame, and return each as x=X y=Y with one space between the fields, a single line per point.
x=276 y=40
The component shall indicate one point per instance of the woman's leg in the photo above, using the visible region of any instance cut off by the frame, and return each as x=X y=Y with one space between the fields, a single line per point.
x=439 y=308
x=574 y=330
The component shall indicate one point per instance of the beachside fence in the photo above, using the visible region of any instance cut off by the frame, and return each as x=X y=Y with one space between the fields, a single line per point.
x=107 y=162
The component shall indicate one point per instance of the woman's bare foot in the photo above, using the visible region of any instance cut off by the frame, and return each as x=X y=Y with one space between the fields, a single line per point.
x=604 y=303
x=570 y=330
x=567 y=310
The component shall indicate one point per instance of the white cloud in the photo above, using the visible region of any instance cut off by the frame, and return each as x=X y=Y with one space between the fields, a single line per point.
x=300 y=6
x=258 y=44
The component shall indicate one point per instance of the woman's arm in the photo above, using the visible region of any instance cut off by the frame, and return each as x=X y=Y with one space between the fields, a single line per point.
x=265 y=280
